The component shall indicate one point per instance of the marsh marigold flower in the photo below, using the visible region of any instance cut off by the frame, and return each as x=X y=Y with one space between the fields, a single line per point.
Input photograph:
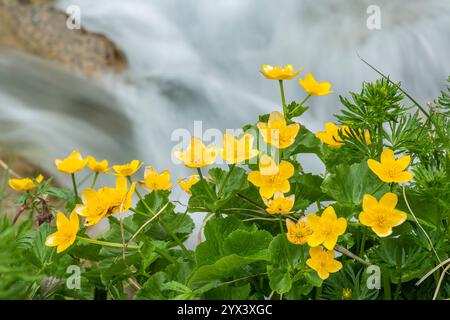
x=381 y=216
x=197 y=155
x=390 y=169
x=156 y=181
x=97 y=166
x=188 y=183
x=275 y=132
x=331 y=135
x=279 y=204
x=66 y=233
x=72 y=163
x=314 y=88
x=323 y=262
x=271 y=178
x=100 y=204
x=278 y=72
x=326 y=228
x=25 y=184
x=128 y=169
x=298 y=233
x=238 y=150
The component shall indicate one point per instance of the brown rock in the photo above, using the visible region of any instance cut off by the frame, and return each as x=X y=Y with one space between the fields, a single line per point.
x=35 y=27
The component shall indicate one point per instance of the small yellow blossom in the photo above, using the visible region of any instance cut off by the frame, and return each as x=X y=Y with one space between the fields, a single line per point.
x=188 y=183
x=346 y=294
x=390 y=169
x=331 y=135
x=326 y=228
x=98 y=166
x=272 y=178
x=66 y=233
x=197 y=155
x=279 y=72
x=156 y=181
x=238 y=150
x=323 y=262
x=128 y=169
x=275 y=132
x=39 y=178
x=25 y=184
x=381 y=216
x=100 y=204
x=72 y=163
x=314 y=88
x=280 y=204
x=299 y=232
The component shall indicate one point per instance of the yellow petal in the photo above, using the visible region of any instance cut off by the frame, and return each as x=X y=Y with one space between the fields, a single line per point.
x=403 y=162
x=389 y=200
x=369 y=202
x=403 y=177
x=387 y=157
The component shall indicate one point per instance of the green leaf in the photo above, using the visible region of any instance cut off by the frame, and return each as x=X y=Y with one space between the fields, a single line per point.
x=348 y=184
x=295 y=109
x=247 y=243
x=60 y=193
x=280 y=279
x=216 y=231
x=229 y=292
x=305 y=142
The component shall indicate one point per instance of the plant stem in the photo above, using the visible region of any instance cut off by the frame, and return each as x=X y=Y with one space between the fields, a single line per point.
x=94 y=181
x=74 y=184
x=226 y=178
x=105 y=243
x=301 y=103
x=386 y=286
x=168 y=230
x=363 y=242
x=205 y=184
x=283 y=99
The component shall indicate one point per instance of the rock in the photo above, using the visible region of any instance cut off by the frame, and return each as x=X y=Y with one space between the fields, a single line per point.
x=36 y=27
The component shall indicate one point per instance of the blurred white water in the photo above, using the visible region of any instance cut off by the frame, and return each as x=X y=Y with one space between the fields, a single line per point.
x=199 y=60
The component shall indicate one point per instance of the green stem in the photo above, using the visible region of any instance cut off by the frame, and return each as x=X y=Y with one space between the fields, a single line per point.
x=301 y=104
x=205 y=184
x=386 y=286
x=74 y=184
x=363 y=242
x=94 y=181
x=168 y=230
x=108 y=244
x=283 y=99
x=226 y=178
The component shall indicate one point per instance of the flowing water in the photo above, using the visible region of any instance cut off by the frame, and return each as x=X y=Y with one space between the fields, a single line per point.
x=199 y=60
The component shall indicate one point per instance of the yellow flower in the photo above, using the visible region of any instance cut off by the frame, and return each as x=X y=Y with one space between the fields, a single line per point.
x=390 y=169
x=237 y=150
x=98 y=166
x=326 y=228
x=279 y=204
x=197 y=155
x=314 y=88
x=106 y=201
x=128 y=169
x=381 y=216
x=276 y=132
x=66 y=233
x=155 y=181
x=279 y=72
x=187 y=184
x=331 y=135
x=323 y=262
x=299 y=232
x=25 y=184
x=346 y=294
x=96 y=206
x=72 y=163
x=272 y=178
x=121 y=197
